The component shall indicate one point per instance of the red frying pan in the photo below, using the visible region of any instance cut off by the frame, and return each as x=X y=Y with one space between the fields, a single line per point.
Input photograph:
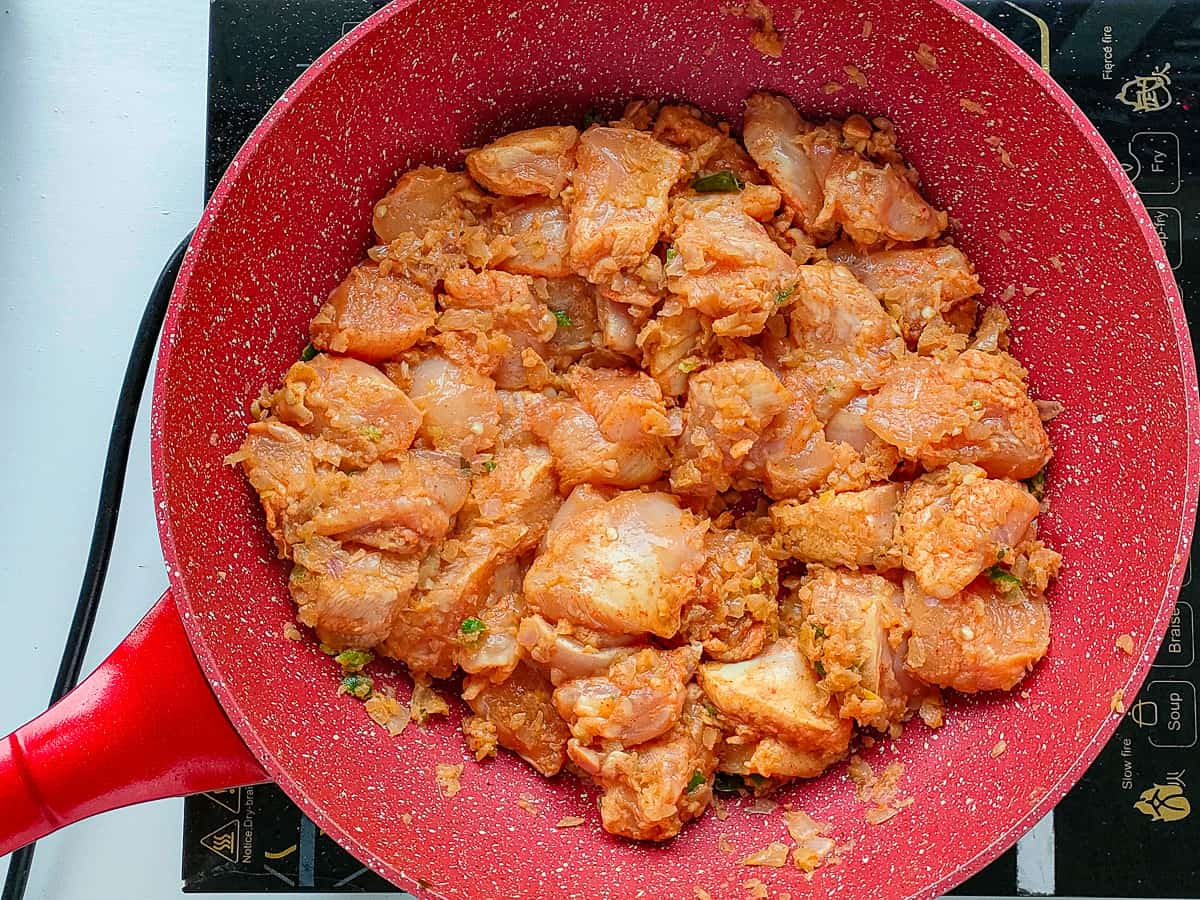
x=207 y=692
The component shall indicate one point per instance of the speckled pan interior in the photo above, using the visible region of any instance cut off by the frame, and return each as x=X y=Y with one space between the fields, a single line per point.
x=1098 y=323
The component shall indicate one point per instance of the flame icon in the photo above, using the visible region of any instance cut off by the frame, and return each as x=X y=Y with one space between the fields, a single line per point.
x=1164 y=803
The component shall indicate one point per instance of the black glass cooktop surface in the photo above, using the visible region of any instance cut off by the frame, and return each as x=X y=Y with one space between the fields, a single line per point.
x=1134 y=68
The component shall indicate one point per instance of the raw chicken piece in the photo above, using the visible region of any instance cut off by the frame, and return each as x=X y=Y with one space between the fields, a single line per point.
x=537 y=229
x=776 y=697
x=419 y=199
x=651 y=790
x=350 y=403
x=775 y=137
x=708 y=149
x=404 y=505
x=622 y=180
x=728 y=406
x=524 y=163
x=572 y=302
x=349 y=596
x=980 y=640
x=874 y=203
x=842 y=339
x=853 y=630
x=566 y=653
x=725 y=265
x=279 y=465
x=637 y=699
x=792 y=458
x=972 y=408
x=494 y=651
x=373 y=316
x=626 y=565
x=915 y=285
x=671 y=344
x=619 y=325
x=516 y=490
x=955 y=522
x=513 y=320
x=460 y=408
x=613 y=434
x=523 y=714
x=735 y=615
x=851 y=528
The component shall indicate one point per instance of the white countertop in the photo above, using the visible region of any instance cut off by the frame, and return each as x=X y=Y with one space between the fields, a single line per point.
x=102 y=112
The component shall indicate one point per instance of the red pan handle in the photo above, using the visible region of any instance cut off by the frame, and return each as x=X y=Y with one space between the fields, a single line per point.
x=144 y=725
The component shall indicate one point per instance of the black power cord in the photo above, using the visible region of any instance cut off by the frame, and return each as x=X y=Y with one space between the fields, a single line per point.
x=105 y=527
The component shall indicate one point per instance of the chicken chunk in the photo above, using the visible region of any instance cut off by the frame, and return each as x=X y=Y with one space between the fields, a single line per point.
x=873 y=203
x=373 y=316
x=735 y=615
x=513 y=320
x=418 y=200
x=776 y=695
x=351 y=404
x=349 y=597
x=842 y=338
x=572 y=302
x=460 y=409
x=915 y=285
x=775 y=137
x=620 y=324
x=637 y=699
x=537 y=161
x=626 y=565
x=982 y=639
x=854 y=631
x=972 y=408
x=652 y=789
x=279 y=464
x=708 y=149
x=851 y=528
x=726 y=266
x=522 y=711
x=728 y=406
x=612 y=435
x=516 y=491
x=955 y=522
x=671 y=343
x=537 y=230
x=622 y=180
x=493 y=649
x=404 y=505
x=566 y=653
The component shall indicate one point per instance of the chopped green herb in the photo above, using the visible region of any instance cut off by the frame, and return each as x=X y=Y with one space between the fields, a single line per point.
x=372 y=433
x=472 y=625
x=308 y=352
x=755 y=780
x=563 y=320
x=1037 y=485
x=489 y=465
x=819 y=632
x=327 y=650
x=590 y=118
x=298 y=573
x=1005 y=581
x=353 y=660
x=976 y=404
x=1001 y=553
x=689 y=365
x=359 y=686
x=820 y=667
x=757 y=581
x=718 y=182
x=724 y=783
x=782 y=296
x=696 y=781
x=671 y=254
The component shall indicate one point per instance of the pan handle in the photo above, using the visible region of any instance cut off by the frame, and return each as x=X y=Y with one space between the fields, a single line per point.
x=144 y=725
